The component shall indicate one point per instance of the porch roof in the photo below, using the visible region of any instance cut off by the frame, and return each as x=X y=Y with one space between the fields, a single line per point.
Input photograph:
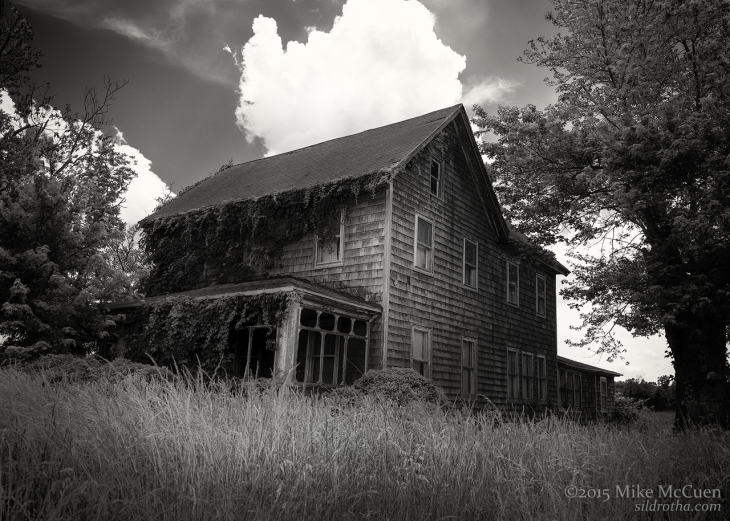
x=585 y=367
x=309 y=291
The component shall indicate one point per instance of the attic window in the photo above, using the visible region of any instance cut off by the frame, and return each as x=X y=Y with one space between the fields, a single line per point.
x=436 y=178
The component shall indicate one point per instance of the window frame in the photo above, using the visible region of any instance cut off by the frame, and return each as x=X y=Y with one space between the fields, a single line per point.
x=427 y=359
x=577 y=391
x=472 y=368
x=603 y=382
x=565 y=391
x=418 y=219
x=539 y=278
x=527 y=378
x=516 y=302
x=475 y=265
x=341 y=236
x=439 y=179
x=541 y=378
x=513 y=378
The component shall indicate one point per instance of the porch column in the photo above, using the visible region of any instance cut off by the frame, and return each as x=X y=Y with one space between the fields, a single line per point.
x=286 y=343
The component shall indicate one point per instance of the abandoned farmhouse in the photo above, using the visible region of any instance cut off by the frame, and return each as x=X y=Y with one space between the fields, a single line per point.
x=386 y=248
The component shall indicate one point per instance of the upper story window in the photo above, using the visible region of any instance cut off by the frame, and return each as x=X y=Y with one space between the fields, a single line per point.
x=540 y=295
x=513 y=283
x=423 y=258
x=468 y=367
x=471 y=251
x=421 y=351
x=330 y=252
x=436 y=178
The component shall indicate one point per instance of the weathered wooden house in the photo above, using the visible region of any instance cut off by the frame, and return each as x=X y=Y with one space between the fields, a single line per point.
x=419 y=270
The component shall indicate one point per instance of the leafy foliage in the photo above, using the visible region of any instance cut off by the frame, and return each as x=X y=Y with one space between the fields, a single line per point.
x=632 y=158
x=627 y=410
x=659 y=396
x=61 y=182
x=227 y=242
x=199 y=333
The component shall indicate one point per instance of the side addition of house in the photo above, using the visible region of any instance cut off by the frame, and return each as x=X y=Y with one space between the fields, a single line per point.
x=416 y=268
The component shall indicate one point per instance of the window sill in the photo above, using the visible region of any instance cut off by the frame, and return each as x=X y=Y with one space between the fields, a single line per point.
x=422 y=270
x=328 y=265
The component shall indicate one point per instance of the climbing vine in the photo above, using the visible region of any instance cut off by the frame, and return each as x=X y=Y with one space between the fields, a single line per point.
x=186 y=332
x=227 y=242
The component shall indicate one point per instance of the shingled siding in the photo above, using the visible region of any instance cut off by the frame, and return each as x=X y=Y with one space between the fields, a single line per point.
x=440 y=301
x=361 y=273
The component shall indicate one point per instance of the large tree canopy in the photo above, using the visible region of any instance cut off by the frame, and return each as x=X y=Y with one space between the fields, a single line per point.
x=636 y=155
x=61 y=185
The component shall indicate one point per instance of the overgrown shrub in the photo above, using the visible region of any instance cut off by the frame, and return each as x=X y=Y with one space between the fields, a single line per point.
x=401 y=386
x=75 y=369
x=627 y=410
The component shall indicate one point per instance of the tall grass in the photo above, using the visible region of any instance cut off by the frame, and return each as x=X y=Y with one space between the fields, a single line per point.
x=135 y=449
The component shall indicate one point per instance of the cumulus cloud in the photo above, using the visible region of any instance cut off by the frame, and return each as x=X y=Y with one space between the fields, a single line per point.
x=140 y=199
x=381 y=62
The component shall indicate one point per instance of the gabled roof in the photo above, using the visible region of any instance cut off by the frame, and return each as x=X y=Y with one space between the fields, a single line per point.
x=585 y=367
x=379 y=149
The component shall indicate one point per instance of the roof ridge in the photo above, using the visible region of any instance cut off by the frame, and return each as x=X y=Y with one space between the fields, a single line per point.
x=374 y=129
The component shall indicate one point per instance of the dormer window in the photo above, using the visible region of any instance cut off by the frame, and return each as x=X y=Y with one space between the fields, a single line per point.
x=436 y=178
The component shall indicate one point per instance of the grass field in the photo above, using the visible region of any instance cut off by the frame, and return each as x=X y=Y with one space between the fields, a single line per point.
x=133 y=449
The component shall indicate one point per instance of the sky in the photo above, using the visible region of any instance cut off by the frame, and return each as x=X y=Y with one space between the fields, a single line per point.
x=216 y=80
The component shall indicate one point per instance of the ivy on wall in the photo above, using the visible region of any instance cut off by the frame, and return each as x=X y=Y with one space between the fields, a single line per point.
x=227 y=242
x=188 y=332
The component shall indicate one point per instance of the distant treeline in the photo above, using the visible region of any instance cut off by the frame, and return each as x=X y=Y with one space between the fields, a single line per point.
x=659 y=395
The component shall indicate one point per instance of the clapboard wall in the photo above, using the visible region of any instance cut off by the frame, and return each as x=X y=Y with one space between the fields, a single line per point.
x=439 y=301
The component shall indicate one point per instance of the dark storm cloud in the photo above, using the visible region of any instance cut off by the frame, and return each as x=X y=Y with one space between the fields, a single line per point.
x=193 y=33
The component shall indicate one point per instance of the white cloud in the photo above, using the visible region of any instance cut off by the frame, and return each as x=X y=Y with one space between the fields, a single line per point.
x=139 y=200
x=491 y=89
x=6 y=104
x=381 y=62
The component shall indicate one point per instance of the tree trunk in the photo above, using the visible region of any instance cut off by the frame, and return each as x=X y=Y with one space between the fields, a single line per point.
x=699 y=345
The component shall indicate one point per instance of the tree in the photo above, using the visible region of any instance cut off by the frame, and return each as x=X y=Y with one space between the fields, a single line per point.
x=61 y=186
x=633 y=157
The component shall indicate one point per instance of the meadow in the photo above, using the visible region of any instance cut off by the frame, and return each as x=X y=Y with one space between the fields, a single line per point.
x=132 y=447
